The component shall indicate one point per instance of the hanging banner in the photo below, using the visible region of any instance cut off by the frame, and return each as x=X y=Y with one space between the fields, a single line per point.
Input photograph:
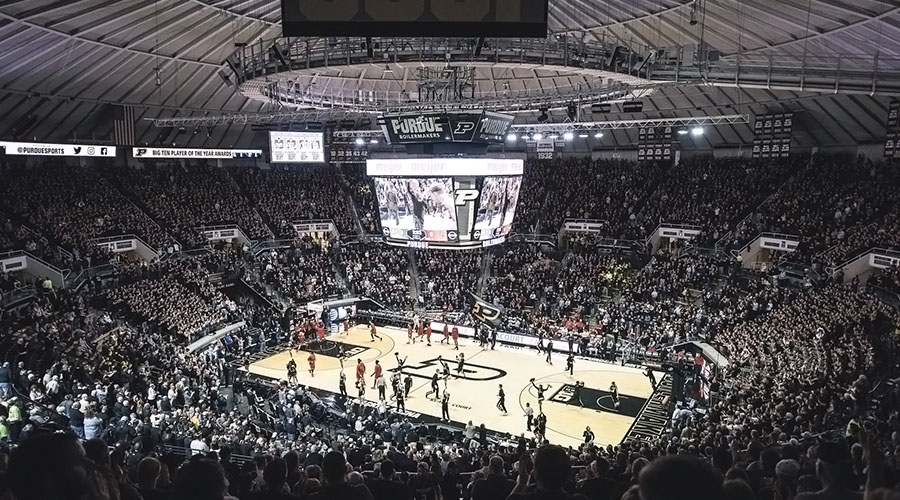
x=187 y=153
x=42 y=149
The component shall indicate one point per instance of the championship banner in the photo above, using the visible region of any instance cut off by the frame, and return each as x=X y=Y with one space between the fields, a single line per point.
x=41 y=149
x=178 y=153
x=485 y=311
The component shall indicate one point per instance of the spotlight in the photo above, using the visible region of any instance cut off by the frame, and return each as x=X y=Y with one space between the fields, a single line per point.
x=554 y=136
x=598 y=135
x=544 y=116
x=511 y=137
x=537 y=136
x=583 y=136
x=694 y=6
x=568 y=136
x=697 y=131
x=682 y=131
x=373 y=141
x=360 y=141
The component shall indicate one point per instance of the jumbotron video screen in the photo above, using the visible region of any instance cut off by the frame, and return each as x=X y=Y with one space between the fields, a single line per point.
x=463 y=202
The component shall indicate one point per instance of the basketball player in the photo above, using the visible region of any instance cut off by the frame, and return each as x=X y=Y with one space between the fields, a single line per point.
x=361 y=388
x=614 y=391
x=342 y=384
x=320 y=332
x=446 y=373
x=579 y=385
x=434 y=385
x=501 y=400
x=540 y=394
x=311 y=359
x=372 y=332
x=588 y=435
x=445 y=406
x=461 y=362
x=455 y=334
x=419 y=203
x=377 y=373
x=292 y=371
x=401 y=405
x=529 y=416
x=549 y=350
x=407 y=385
x=570 y=363
x=428 y=334
x=409 y=334
x=400 y=362
x=446 y=334
x=360 y=371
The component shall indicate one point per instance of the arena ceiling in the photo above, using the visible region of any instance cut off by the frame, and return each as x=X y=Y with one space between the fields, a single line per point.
x=63 y=62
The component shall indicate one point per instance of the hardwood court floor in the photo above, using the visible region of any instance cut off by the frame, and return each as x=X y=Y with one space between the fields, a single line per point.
x=474 y=396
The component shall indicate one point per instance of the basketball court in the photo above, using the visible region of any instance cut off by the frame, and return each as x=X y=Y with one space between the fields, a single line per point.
x=473 y=394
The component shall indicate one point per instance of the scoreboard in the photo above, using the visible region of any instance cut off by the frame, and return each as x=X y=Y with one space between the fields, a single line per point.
x=412 y=18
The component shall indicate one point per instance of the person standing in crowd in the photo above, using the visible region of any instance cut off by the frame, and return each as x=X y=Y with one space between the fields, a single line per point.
x=373 y=333
x=529 y=416
x=445 y=406
x=292 y=371
x=570 y=363
x=501 y=400
x=311 y=359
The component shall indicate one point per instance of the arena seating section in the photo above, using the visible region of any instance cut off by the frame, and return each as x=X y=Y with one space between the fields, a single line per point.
x=811 y=361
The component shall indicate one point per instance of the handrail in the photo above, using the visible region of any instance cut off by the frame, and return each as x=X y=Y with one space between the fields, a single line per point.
x=882 y=251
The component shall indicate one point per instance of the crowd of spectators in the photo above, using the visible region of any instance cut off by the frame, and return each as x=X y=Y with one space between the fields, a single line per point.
x=519 y=275
x=446 y=277
x=379 y=272
x=360 y=188
x=187 y=198
x=300 y=274
x=175 y=296
x=713 y=194
x=835 y=205
x=285 y=195
x=70 y=206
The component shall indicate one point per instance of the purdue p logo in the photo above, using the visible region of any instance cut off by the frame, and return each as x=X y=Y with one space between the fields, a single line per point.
x=484 y=312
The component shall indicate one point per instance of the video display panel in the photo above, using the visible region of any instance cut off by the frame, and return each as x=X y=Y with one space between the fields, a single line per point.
x=464 y=206
x=497 y=202
x=297 y=147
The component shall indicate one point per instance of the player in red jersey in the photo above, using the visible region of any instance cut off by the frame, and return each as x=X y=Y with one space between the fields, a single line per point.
x=360 y=372
x=312 y=363
x=376 y=373
x=446 y=334
x=455 y=334
x=409 y=330
x=421 y=331
x=372 y=332
x=428 y=334
x=320 y=331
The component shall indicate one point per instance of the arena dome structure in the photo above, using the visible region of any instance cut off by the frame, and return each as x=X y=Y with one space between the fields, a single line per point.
x=650 y=246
